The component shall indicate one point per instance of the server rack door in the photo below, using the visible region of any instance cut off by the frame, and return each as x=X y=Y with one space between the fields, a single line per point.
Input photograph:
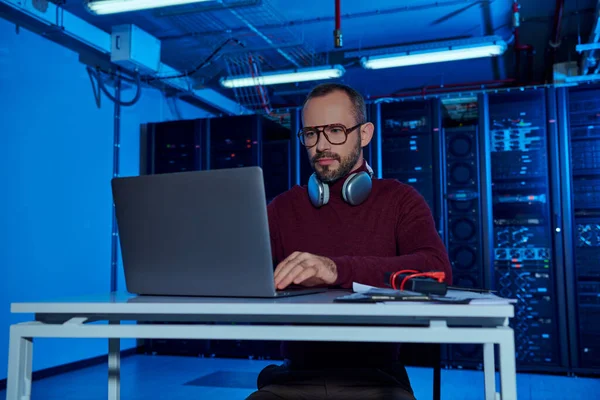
x=370 y=151
x=295 y=147
x=523 y=264
x=275 y=161
x=583 y=272
x=407 y=144
x=557 y=232
x=306 y=169
x=173 y=146
x=462 y=210
x=235 y=142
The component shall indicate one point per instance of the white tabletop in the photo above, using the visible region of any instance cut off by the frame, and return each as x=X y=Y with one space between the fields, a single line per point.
x=301 y=309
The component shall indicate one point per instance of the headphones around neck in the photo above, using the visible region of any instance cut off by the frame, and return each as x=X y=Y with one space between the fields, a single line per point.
x=355 y=191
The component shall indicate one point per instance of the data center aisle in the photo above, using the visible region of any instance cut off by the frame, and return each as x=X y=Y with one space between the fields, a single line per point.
x=178 y=378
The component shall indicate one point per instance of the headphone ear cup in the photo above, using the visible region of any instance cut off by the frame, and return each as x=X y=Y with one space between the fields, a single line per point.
x=318 y=192
x=325 y=188
x=357 y=188
x=347 y=182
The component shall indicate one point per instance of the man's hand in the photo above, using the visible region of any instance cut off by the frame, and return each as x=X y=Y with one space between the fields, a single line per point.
x=305 y=269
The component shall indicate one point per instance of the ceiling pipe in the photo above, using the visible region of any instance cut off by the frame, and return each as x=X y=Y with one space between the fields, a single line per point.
x=554 y=42
x=435 y=90
x=519 y=48
x=558 y=13
x=337 y=33
x=430 y=90
x=448 y=88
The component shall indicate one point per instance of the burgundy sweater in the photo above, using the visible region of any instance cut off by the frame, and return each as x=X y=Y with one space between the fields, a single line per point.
x=392 y=230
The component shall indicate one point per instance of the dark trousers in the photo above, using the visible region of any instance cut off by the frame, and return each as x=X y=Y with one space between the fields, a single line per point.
x=285 y=382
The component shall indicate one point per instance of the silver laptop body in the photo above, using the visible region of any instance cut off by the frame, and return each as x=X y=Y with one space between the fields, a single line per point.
x=200 y=233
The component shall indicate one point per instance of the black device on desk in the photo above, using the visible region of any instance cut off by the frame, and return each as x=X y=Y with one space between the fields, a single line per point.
x=429 y=283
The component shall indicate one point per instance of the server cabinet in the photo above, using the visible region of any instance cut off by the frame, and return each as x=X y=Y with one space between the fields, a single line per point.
x=215 y=143
x=523 y=224
x=579 y=137
x=408 y=148
x=174 y=146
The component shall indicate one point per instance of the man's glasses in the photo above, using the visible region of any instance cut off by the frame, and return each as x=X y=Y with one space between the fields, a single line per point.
x=334 y=133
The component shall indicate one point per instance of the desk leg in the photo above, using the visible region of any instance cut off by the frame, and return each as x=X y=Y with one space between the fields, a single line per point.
x=20 y=354
x=489 y=371
x=114 y=368
x=508 y=369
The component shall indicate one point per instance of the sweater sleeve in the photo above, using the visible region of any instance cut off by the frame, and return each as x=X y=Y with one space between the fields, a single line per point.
x=419 y=247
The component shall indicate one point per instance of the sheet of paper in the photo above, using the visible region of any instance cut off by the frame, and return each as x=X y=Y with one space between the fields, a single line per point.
x=360 y=288
x=478 y=298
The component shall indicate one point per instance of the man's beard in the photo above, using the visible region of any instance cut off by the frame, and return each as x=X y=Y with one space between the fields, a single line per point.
x=328 y=175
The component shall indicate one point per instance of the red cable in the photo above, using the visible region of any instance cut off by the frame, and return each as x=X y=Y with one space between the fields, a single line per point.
x=439 y=276
x=395 y=275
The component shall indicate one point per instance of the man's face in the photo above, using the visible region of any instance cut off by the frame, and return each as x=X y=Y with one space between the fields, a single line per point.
x=332 y=162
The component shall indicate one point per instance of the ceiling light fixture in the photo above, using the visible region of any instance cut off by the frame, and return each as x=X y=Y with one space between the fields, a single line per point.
x=413 y=55
x=288 y=76
x=102 y=7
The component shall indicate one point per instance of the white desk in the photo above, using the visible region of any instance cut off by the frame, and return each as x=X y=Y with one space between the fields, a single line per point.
x=397 y=323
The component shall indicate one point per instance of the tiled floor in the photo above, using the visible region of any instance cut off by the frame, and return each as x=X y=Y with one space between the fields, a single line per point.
x=178 y=378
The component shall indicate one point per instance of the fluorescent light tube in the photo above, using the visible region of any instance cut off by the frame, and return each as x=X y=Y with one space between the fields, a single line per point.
x=102 y=7
x=288 y=76
x=432 y=56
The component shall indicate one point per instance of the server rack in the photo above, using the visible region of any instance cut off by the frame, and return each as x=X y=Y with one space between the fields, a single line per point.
x=525 y=267
x=579 y=138
x=174 y=146
x=496 y=197
x=405 y=137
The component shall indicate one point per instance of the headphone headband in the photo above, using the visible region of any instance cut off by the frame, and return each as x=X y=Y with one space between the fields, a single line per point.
x=369 y=169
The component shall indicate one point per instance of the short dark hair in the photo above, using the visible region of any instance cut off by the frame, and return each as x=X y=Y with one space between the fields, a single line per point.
x=358 y=101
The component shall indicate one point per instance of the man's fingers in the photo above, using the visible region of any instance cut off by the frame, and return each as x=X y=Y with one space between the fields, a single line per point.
x=286 y=280
x=284 y=267
x=285 y=262
x=305 y=268
x=307 y=273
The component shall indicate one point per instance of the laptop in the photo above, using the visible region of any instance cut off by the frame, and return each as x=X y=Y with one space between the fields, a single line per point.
x=198 y=233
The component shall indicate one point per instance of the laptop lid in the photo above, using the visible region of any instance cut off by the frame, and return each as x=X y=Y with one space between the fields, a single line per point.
x=200 y=233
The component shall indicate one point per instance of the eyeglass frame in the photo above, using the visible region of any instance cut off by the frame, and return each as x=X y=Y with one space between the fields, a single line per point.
x=321 y=129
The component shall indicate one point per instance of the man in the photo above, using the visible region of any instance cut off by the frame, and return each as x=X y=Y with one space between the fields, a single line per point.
x=355 y=233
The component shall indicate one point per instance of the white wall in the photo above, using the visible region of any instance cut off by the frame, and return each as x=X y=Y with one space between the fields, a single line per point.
x=55 y=171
